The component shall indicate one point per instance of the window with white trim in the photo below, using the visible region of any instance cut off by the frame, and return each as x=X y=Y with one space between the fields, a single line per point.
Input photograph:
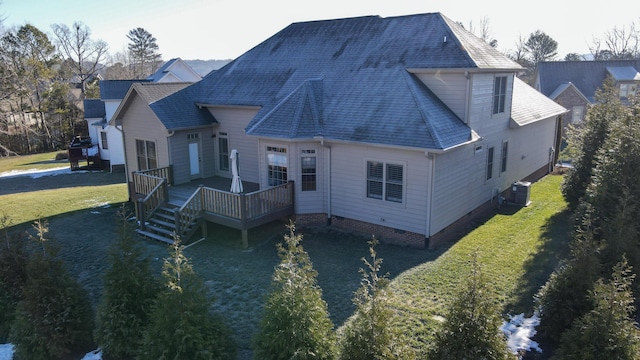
x=146 y=153
x=489 y=163
x=308 y=169
x=385 y=181
x=499 y=94
x=223 y=151
x=503 y=160
x=276 y=165
x=577 y=114
x=103 y=140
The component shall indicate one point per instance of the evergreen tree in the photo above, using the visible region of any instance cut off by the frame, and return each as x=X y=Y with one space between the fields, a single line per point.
x=295 y=322
x=608 y=331
x=143 y=50
x=13 y=275
x=472 y=326
x=54 y=317
x=129 y=291
x=564 y=297
x=371 y=334
x=589 y=139
x=182 y=325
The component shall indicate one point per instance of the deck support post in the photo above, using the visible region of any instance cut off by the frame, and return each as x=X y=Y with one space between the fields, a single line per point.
x=245 y=238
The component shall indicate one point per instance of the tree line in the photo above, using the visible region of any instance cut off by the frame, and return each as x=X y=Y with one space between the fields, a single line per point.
x=45 y=78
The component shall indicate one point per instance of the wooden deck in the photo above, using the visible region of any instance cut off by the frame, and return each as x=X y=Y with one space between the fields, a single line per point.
x=209 y=199
x=179 y=194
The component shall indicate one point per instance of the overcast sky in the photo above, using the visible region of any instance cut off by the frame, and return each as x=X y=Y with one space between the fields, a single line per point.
x=224 y=29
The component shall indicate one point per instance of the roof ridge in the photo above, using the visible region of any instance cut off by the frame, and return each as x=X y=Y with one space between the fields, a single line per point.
x=411 y=84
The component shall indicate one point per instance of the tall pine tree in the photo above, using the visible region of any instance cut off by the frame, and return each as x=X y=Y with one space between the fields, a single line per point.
x=295 y=322
x=129 y=292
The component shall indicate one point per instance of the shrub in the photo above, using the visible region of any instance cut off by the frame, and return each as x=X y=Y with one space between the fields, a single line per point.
x=608 y=331
x=129 y=291
x=472 y=326
x=564 y=297
x=13 y=275
x=295 y=323
x=371 y=334
x=54 y=317
x=181 y=324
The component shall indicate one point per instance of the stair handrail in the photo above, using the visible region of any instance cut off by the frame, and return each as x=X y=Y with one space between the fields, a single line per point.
x=148 y=205
x=189 y=211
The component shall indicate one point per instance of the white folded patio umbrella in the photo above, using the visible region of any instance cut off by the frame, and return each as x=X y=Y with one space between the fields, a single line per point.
x=236 y=182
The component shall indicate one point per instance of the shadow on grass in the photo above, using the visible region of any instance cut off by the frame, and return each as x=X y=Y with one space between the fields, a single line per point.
x=24 y=183
x=555 y=238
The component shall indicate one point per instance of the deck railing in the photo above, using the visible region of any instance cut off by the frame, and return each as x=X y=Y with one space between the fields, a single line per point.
x=247 y=207
x=152 y=192
x=163 y=172
x=189 y=212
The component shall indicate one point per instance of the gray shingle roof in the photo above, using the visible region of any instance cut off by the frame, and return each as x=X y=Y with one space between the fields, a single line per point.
x=94 y=108
x=529 y=105
x=586 y=76
x=156 y=76
x=116 y=89
x=347 y=79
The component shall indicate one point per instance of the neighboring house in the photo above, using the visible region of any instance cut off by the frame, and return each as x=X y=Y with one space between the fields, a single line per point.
x=112 y=92
x=573 y=84
x=396 y=126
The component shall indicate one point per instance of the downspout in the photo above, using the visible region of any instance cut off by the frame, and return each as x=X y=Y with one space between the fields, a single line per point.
x=126 y=166
x=467 y=106
x=328 y=147
x=431 y=157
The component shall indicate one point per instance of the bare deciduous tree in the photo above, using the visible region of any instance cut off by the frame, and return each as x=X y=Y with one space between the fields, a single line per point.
x=75 y=43
x=617 y=44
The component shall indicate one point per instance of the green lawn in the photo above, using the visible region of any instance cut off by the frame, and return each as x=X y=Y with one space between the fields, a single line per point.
x=30 y=162
x=517 y=250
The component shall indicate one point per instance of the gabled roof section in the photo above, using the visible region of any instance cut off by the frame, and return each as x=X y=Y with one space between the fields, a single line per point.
x=530 y=106
x=116 y=89
x=565 y=87
x=177 y=112
x=623 y=73
x=94 y=109
x=367 y=94
x=174 y=70
x=587 y=76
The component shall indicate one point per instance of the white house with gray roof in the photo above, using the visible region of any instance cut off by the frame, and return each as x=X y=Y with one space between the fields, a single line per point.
x=396 y=126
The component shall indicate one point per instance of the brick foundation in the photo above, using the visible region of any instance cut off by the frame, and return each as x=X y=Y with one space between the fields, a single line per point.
x=382 y=233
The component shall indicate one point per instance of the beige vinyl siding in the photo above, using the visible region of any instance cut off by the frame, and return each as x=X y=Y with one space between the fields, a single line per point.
x=180 y=154
x=481 y=118
x=309 y=202
x=348 y=187
x=451 y=88
x=140 y=123
x=233 y=121
x=529 y=148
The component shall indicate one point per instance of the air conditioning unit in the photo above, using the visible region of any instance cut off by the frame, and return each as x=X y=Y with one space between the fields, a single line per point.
x=520 y=193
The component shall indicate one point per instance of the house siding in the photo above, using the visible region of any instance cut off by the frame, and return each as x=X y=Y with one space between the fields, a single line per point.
x=449 y=87
x=348 y=187
x=179 y=148
x=139 y=119
x=233 y=121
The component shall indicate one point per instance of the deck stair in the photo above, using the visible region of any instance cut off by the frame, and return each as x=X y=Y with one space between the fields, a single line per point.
x=162 y=225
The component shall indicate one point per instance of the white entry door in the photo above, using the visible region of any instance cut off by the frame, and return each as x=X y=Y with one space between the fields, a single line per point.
x=194 y=156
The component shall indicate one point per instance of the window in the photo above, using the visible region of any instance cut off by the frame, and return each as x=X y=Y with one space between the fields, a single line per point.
x=489 y=163
x=499 y=94
x=146 y=153
x=308 y=167
x=385 y=181
x=276 y=165
x=505 y=151
x=577 y=113
x=103 y=140
x=223 y=151
x=627 y=91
